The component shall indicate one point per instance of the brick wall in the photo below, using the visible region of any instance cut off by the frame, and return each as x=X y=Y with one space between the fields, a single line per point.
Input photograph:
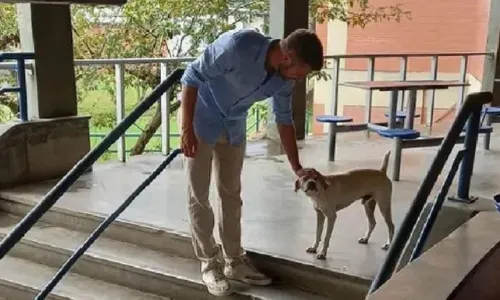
x=436 y=26
x=322 y=32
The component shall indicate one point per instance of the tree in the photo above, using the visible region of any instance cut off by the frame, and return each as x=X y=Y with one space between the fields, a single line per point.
x=172 y=28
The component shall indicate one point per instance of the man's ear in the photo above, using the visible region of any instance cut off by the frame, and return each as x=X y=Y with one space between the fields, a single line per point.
x=296 y=185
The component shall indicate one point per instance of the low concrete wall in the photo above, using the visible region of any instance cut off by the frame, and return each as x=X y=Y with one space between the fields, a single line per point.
x=439 y=271
x=41 y=150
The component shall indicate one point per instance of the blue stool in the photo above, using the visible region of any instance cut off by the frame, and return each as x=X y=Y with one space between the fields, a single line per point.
x=401 y=115
x=401 y=133
x=333 y=121
x=492 y=110
x=398 y=135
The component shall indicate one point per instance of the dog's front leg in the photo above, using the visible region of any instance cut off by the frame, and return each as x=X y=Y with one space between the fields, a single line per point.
x=320 y=223
x=330 y=220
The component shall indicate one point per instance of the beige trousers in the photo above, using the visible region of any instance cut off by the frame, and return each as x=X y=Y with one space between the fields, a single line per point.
x=227 y=163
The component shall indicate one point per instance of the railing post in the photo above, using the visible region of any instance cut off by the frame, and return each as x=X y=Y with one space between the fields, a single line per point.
x=432 y=93
x=463 y=77
x=23 y=96
x=403 y=71
x=165 y=113
x=257 y=119
x=120 y=110
x=335 y=85
x=368 y=99
x=467 y=167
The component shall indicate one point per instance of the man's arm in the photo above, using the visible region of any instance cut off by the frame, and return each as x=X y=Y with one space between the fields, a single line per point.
x=282 y=109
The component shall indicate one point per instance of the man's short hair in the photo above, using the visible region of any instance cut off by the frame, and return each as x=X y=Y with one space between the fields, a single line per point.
x=307 y=46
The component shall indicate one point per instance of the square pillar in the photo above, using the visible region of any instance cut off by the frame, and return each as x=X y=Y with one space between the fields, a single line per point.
x=45 y=29
x=286 y=16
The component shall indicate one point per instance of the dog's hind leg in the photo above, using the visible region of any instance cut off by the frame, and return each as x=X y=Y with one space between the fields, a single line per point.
x=320 y=223
x=385 y=210
x=369 y=205
x=330 y=220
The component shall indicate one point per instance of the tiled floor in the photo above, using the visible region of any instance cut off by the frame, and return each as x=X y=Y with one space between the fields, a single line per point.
x=275 y=219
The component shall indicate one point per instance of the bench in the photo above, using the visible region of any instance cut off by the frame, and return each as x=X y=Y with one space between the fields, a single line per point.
x=333 y=120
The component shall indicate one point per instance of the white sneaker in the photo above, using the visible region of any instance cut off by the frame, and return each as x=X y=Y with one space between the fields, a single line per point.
x=214 y=279
x=242 y=269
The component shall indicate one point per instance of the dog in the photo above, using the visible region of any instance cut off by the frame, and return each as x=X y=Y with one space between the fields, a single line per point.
x=341 y=190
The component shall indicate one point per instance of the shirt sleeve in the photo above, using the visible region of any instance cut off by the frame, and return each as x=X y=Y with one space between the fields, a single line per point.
x=217 y=59
x=282 y=105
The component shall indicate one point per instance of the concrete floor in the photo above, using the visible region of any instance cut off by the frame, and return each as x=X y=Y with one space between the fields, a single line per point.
x=275 y=219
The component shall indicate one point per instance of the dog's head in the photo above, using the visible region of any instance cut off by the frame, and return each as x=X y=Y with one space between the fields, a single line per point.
x=310 y=185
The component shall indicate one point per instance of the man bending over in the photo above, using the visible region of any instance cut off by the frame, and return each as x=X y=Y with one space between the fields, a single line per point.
x=238 y=69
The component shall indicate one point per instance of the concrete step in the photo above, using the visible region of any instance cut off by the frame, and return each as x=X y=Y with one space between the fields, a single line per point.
x=302 y=275
x=22 y=280
x=130 y=265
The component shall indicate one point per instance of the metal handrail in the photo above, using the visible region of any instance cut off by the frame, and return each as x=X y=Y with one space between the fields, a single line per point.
x=20 y=66
x=17 y=233
x=100 y=229
x=407 y=54
x=470 y=110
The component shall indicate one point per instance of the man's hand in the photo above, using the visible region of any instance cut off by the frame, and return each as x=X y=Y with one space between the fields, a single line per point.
x=314 y=173
x=189 y=142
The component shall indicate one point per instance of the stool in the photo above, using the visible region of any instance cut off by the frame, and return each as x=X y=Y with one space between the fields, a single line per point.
x=398 y=134
x=489 y=111
x=401 y=115
x=333 y=121
x=492 y=110
x=401 y=133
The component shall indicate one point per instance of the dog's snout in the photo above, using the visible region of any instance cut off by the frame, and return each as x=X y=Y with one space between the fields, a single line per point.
x=311 y=185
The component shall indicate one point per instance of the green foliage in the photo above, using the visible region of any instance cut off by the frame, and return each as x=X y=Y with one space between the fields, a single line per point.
x=166 y=28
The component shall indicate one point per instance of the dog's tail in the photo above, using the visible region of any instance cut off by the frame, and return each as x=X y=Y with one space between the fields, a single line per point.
x=385 y=162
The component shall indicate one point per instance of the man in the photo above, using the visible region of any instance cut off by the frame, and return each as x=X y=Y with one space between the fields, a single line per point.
x=238 y=69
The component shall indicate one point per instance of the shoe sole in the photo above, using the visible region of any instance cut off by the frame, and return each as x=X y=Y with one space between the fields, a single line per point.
x=218 y=294
x=253 y=282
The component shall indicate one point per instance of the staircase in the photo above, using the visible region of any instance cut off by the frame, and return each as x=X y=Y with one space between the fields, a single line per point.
x=133 y=261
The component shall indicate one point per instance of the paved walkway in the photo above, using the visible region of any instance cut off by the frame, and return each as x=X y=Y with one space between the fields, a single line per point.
x=275 y=219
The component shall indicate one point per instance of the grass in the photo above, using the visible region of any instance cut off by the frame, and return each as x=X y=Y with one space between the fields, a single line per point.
x=100 y=105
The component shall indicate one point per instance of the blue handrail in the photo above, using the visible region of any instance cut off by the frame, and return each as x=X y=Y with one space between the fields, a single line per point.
x=84 y=164
x=100 y=229
x=20 y=58
x=470 y=109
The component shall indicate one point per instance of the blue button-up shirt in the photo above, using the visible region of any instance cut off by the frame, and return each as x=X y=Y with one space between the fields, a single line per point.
x=231 y=76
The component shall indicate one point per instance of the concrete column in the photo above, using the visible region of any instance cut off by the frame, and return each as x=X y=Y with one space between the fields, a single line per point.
x=285 y=16
x=46 y=30
x=492 y=64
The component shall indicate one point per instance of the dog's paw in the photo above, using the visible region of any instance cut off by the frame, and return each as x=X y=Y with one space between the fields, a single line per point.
x=311 y=250
x=321 y=256
x=363 y=240
x=385 y=247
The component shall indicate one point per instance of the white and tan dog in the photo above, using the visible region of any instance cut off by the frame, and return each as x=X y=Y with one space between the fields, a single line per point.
x=370 y=185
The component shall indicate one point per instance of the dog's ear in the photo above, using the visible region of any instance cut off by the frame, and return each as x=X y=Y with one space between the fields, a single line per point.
x=325 y=184
x=296 y=188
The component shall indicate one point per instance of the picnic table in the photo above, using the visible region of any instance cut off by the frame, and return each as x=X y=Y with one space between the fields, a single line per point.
x=407 y=132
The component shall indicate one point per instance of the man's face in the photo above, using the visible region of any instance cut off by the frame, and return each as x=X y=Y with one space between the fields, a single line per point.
x=292 y=68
